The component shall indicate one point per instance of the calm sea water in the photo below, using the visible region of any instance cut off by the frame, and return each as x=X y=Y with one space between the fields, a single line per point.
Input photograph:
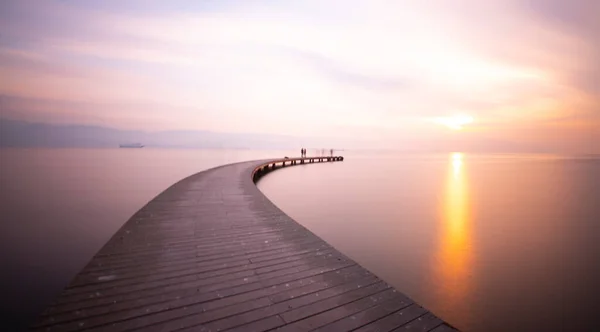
x=59 y=206
x=487 y=242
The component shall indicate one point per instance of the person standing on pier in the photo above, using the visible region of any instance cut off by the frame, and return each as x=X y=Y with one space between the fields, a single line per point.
x=331 y=153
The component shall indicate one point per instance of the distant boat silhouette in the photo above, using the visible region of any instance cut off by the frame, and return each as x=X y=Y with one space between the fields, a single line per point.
x=133 y=145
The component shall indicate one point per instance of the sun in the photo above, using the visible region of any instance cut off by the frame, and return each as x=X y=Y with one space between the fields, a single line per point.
x=455 y=122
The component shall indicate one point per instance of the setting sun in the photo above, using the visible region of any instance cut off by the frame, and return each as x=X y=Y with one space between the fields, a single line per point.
x=456 y=122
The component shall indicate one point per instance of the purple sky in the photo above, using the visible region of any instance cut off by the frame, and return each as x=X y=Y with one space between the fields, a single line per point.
x=395 y=73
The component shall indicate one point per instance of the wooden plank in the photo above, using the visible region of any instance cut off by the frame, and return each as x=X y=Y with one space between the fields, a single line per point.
x=343 y=306
x=199 y=303
x=309 y=299
x=216 y=283
x=95 y=282
x=369 y=315
x=426 y=322
x=399 y=318
x=264 y=324
x=213 y=253
x=444 y=328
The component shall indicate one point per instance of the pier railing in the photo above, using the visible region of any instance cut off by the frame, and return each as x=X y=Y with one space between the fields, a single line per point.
x=263 y=169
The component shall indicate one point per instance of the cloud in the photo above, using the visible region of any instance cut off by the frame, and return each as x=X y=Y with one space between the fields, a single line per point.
x=363 y=67
x=579 y=20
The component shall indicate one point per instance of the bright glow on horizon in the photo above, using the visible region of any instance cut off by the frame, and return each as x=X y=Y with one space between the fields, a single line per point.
x=456 y=122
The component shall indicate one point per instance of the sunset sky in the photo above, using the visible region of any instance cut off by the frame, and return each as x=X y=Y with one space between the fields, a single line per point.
x=393 y=73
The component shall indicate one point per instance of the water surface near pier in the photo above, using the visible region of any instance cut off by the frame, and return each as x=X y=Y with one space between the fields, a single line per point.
x=487 y=242
x=497 y=242
x=59 y=206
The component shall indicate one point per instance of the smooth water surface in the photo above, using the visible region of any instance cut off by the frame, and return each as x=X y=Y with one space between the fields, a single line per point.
x=59 y=206
x=501 y=243
x=487 y=242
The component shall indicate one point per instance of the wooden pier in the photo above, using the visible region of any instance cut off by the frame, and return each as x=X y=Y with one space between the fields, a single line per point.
x=212 y=253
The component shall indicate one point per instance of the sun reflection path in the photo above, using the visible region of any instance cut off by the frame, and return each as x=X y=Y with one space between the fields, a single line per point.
x=453 y=263
x=457 y=162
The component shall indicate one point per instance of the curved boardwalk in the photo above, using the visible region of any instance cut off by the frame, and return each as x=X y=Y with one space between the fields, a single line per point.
x=212 y=253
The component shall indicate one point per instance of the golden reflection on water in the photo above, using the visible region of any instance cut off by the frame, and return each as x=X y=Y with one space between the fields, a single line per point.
x=454 y=253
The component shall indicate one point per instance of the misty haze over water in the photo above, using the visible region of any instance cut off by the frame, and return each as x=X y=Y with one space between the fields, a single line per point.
x=487 y=242
x=14 y=133
x=471 y=131
x=494 y=242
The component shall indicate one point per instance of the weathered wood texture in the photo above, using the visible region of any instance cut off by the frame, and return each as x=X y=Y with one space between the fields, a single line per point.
x=212 y=253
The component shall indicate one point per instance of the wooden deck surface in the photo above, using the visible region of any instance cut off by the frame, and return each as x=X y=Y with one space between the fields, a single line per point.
x=212 y=253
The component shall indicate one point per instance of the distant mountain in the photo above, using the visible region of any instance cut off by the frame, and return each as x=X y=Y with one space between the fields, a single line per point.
x=26 y=134
x=14 y=133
